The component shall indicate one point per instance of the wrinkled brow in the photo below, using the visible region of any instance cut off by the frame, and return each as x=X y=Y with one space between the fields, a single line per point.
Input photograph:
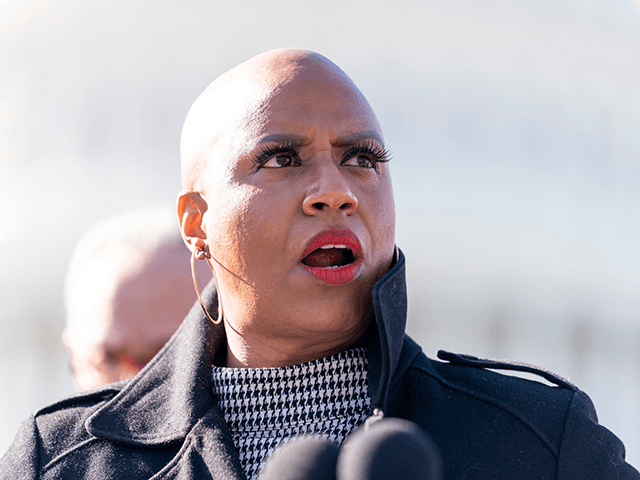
x=301 y=141
x=349 y=140
x=286 y=138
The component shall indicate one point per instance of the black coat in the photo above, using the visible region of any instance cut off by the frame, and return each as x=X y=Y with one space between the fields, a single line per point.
x=164 y=424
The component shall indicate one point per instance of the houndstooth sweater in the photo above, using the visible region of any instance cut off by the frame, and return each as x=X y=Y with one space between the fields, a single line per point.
x=265 y=406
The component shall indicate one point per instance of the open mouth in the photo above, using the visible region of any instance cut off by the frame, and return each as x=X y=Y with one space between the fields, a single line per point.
x=333 y=256
x=330 y=256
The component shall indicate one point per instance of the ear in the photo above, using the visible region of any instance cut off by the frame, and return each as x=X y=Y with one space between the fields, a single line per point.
x=191 y=208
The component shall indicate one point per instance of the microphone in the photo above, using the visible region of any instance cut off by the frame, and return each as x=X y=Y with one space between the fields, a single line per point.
x=390 y=448
x=304 y=458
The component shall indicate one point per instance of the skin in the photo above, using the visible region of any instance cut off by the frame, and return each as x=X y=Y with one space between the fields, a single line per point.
x=124 y=306
x=256 y=222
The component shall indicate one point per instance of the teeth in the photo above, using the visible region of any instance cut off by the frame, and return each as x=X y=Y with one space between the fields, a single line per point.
x=327 y=247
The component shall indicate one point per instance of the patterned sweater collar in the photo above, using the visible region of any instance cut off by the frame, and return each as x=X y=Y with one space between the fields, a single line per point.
x=288 y=397
x=265 y=407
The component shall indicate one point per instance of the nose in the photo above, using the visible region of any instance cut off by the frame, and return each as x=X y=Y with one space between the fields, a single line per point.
x=329 y=192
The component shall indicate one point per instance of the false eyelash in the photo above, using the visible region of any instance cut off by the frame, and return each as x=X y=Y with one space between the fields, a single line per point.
x=378 y=153
x=266 y=153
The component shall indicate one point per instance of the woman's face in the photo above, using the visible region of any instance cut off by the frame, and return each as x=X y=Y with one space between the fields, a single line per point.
x=300 y=216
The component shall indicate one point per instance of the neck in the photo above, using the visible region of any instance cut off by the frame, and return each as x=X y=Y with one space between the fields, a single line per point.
x=249 y=351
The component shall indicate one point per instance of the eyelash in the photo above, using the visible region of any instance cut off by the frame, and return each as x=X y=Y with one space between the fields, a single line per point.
x=264 y=155
x=376 y=153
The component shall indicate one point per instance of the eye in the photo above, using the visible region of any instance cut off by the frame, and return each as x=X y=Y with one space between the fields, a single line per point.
x=359 y=160
x=111 y=358
x=366 y=155
x=277 y=157
x=279 y=160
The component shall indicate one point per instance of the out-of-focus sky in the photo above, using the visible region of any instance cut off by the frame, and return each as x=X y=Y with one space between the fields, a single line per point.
x=514 y=127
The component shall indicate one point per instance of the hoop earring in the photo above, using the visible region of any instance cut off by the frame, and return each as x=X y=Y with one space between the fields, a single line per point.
x=202 y=253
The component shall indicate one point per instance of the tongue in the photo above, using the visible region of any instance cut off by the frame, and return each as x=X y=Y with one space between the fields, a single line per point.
x=325 y=258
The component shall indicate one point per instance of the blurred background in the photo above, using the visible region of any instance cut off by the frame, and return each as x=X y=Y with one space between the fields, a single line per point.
x=514 y=127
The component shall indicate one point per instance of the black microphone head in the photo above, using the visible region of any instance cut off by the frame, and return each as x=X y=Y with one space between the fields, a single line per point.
x=389 y=448
x=303 y=458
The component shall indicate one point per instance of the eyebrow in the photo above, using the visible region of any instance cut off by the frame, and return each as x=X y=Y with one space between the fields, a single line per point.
x=357 y=138
x=301 y=141
x=286 y=138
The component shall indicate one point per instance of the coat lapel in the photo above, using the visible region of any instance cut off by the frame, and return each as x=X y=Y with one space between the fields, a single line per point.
x=172 y=393
x=207 y=453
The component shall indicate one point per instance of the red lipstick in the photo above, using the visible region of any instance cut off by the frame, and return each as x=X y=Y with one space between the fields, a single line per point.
x=333 y=256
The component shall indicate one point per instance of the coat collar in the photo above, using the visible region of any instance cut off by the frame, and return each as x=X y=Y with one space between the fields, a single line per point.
x=385 y=341
x=168 y=397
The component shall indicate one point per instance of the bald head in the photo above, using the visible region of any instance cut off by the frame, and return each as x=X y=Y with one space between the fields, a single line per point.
x=274 y=152
x=128 y=288
x=240 y=100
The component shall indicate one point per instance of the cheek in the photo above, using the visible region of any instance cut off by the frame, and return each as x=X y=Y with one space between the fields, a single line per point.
x=225 y=223
x=247 y=228
x=385 y=233
x=266 y=225
x=381 y=216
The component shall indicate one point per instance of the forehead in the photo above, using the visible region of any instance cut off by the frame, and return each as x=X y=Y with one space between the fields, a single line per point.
x=242 y=106
x=315 y=106
x=317 y=102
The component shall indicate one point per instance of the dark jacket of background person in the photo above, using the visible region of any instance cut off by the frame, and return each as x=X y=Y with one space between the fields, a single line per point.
x=165 y=423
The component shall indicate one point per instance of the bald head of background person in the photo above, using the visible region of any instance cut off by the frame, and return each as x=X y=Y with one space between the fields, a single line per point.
x=128 y=288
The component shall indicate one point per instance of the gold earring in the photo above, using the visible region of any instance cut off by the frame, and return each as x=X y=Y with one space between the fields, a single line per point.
x=202 y=253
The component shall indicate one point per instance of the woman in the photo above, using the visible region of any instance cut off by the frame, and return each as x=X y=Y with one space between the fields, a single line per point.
x=287 y=194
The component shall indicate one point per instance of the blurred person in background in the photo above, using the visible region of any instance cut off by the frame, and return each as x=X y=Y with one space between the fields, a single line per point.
x=127 y=290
